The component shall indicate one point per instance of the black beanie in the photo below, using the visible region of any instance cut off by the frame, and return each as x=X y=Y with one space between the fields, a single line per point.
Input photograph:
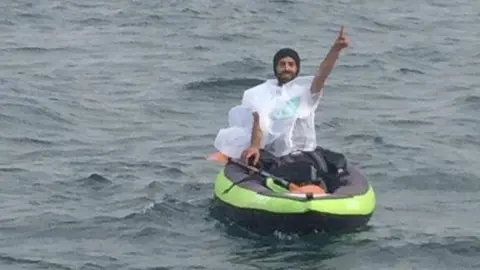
x=285 y=52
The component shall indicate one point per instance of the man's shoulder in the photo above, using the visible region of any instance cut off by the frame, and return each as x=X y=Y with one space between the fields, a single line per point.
x=260 y=87
x=254 y=95
x=302 y=81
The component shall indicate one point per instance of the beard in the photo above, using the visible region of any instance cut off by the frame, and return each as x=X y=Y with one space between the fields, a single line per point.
x=285 y=77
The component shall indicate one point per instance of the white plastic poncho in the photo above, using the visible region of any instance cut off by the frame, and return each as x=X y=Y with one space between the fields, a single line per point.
x=286 y=119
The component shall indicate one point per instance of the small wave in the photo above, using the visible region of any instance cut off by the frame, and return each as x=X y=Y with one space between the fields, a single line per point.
x=147 y=20
x=40 y=264
x=184 y=138
x=133 y=24
x=377 y=24
x=232 y=37
x=165 y=112
x=410 y=70
x=388 y=78
x=32 y=141
x=92 y=266
x=191 y=11
x=282 y=1
x=290 y=249
x=450 y=181
x=194 y=187
x=167 y=268
x=147 y=232
x=408 y=123
x=158 y=213
x=453 y=252
x=153 y=188
x=28 y=49
x=368 y=29
x=144 y=217
x=39 y=154
x=95 y=181
x=400 y=147
x=466 y=140
x=244 y=66
x=60 y=198
x=170 y=210
x=473 y=102
x=225 y=85
x=6 y=22
x=36 y=115
x=185 y=189
x=470 y=102
x=472 y=99
x=44 y=219
x=131 y=140
x=91 y=22
x=91 y=5
x=464 y=246
x=13 y=169
x=173 y=173
x=33 y=15
x=173 y=205
x=385 y=96
x=201 y=48
x=364 y=137
x=419 y=52
x=333 y=123
x=140 y=165
x=98 y=220
x=120 y=207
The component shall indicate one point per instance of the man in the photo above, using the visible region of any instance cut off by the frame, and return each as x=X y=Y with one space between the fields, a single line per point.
x=283 y=110
x=286 y=68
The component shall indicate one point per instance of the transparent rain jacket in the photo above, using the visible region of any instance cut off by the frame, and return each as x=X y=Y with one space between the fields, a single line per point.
x=286 y=118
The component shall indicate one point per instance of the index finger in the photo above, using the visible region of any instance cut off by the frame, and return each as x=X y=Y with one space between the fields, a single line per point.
x=341 y=30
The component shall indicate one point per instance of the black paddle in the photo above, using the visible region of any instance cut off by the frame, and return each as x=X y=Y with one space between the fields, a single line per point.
x=280 y=181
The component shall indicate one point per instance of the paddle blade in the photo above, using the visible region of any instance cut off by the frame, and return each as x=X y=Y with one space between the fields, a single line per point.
x=314 y=189
x=218 y=157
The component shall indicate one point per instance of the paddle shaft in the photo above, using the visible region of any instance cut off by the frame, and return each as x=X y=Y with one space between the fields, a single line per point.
x=279 y=180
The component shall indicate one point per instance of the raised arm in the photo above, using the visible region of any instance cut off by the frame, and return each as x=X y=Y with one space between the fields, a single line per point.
x=328 y=63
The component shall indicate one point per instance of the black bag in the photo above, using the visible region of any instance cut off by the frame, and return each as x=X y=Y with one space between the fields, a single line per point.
x=320 y=166
x=335 y=161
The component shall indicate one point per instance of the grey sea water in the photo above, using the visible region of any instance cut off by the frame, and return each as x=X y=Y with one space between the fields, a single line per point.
x=108 y=109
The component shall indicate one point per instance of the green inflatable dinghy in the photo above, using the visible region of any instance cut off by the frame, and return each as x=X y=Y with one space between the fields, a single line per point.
x=260 y=204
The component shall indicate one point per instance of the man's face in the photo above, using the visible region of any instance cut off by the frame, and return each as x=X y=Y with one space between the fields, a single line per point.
x=286 y=69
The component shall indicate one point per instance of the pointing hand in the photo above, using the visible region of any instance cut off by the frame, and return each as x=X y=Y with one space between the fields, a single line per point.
x=342 y=41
